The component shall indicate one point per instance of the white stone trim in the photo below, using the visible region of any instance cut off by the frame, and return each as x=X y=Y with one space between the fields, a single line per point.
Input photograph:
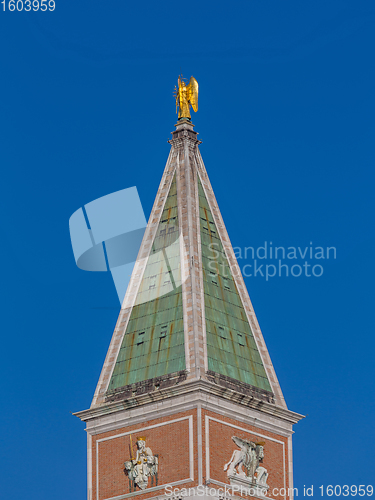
x=201 y=285
x=238 y=278
x=217 y=496
x=155 y=488
x=184 y=255
x=290 y=467
x=138 y=431
x=195 y=310
x=186 y=402
x=89 y=467
x=200 y=443
x=219 y=483
x=134 y=283
x=207 y=421
x=191 y=448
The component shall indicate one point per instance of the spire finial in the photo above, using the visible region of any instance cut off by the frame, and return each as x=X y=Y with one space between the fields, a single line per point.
x=186 y=96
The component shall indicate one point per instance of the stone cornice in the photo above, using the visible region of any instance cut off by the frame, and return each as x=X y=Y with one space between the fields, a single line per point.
x=199 y=386
x=184 y=133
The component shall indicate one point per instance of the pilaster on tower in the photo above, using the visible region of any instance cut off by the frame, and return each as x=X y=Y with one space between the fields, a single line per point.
x=185 y=145
x=187 y=368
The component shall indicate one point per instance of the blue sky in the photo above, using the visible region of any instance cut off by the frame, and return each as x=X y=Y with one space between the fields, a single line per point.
x=286 y=116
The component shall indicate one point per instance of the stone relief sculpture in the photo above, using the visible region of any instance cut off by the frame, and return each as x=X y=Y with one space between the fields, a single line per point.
x=243 y=467
x=262 y=476
x=141 y=467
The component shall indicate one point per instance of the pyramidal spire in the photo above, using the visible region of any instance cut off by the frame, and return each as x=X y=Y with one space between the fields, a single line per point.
x=187 y=315
x=187 y=395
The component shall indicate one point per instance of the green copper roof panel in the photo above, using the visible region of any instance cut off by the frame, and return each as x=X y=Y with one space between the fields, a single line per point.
x=153 y=344
x=231 y=348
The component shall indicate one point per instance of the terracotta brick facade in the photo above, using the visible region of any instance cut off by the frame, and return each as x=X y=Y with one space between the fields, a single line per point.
x=175 y=440
x=217 y=434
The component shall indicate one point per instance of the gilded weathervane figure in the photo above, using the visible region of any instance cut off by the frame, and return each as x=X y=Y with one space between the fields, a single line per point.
x=186 y=96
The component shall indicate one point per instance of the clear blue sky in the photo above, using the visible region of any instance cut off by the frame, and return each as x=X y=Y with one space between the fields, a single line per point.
x=287 y=120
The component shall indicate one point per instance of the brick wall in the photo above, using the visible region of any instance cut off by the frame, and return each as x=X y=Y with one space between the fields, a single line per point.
x=218 y=431
x=170 y=441
x=172 y=438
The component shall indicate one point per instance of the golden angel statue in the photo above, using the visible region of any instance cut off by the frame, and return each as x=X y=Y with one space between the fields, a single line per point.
x=186 y=96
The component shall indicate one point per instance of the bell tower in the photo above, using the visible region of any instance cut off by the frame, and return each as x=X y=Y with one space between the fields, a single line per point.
x=188 y=402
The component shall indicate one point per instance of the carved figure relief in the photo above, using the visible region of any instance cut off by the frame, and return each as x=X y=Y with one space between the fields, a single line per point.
x=141 y=467
x=243 y=467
